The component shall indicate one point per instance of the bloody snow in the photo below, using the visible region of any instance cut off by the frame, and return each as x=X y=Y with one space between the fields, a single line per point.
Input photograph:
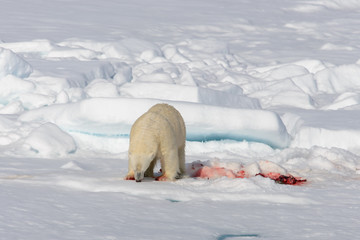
x=268 y=170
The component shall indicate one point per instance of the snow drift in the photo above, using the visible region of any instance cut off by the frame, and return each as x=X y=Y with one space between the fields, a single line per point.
x=49 y=140
x=10 y=63
x=114 y=117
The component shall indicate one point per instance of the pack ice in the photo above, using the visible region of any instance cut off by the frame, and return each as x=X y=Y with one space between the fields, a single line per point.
x=264 y=87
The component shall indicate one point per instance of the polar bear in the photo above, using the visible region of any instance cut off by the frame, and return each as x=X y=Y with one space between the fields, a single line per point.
x=157 y=134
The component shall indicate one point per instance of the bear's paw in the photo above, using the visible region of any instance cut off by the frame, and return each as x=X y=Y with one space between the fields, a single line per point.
x=162 y=178
x=129 y=177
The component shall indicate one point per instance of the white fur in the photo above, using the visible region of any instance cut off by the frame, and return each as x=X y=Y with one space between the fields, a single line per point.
x=157 y=134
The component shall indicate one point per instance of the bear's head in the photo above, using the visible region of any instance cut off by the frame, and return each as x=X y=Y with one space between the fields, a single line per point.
x=140 y=163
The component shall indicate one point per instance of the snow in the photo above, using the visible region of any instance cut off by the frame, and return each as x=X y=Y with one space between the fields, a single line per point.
x=231 y=98
x=13 y=87
x=49 y=140
x=265 y=86
x=114 y=117
x=10 y=63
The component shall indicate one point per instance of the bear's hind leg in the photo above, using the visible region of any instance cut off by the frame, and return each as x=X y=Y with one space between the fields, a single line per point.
x=182 y=167
x=170 y=167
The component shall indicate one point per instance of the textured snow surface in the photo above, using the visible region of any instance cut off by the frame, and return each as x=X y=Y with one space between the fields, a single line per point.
x=275 y=82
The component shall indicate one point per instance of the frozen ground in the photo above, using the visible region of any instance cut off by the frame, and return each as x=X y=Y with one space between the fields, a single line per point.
x=254 y=80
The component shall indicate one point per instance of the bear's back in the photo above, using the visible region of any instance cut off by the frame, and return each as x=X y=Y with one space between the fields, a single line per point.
x=172 y=116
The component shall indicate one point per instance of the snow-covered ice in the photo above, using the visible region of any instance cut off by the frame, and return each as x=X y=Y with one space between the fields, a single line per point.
x=114 y=117
x=257 y=82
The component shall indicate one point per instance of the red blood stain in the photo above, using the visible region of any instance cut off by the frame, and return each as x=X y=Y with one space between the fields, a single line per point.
x=216 y=172
x=283 y=179
x=241 y=174
x=213 y=172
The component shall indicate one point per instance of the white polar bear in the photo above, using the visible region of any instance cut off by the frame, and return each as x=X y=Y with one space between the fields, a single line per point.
x=157 y=134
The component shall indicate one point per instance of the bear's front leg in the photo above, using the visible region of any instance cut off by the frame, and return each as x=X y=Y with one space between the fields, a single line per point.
x=130 y=175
